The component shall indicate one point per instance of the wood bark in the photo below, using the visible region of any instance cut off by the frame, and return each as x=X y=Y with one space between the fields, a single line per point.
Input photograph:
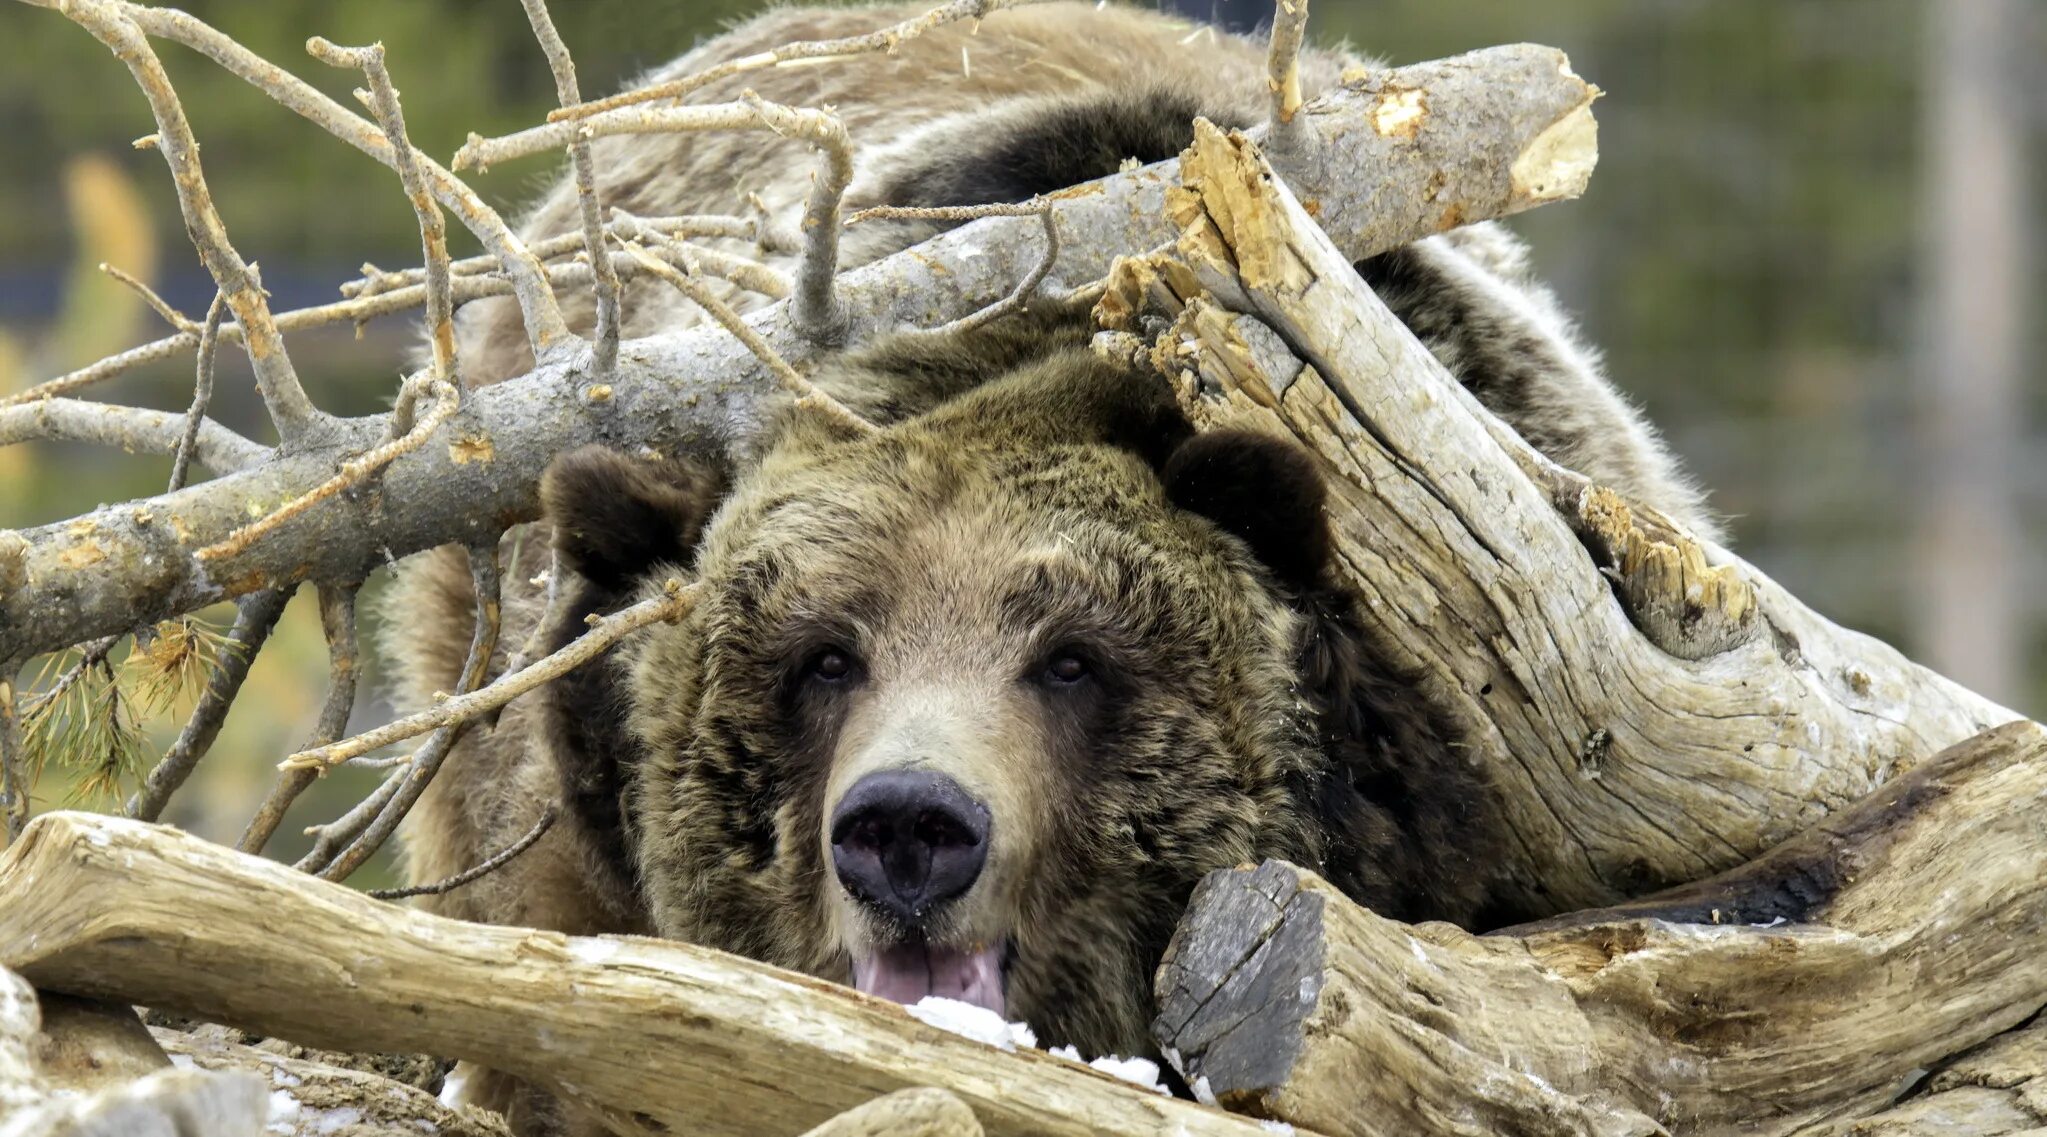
x=642 y=1033
x=1651 y=709
x=1808 y=987
x=1510 y=128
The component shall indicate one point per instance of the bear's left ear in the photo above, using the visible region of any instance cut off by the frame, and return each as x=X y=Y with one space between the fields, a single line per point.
x=616 y=516
x=1264 y=490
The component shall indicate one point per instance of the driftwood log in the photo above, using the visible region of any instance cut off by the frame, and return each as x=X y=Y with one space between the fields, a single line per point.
x=643 y=1033
x=1653 y=710
x=1809 y=987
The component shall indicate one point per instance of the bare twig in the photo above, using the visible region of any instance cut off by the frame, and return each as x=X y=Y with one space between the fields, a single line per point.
x=14 y=807
x=433 y=234
x=337 y=619
x=544 y=324
x=202 y=391
x=330 y=839
x=1283 y=68
x=157 y=304
x=258 y=615
x=448 y=400
x=290 y=409
x=818 y=313
x=807 y=395
x=1016 y=300
x=587 y=199
x=885 y=39
x=375 y=280
x=133 y=429
x=485 y=579
x=673 y=603
x=484 y=868
x=376 y=301
x=550 y=611
x=750 y=275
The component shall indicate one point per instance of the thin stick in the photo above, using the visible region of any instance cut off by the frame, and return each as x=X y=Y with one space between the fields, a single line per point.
x=337 y=620
x=818 y=313
x=331 y=838
x=133 y=429
x=202 y=391
x=885 y=39
x=466 y=288
x=485 y=579
x=257 y=616
x=1025 y=288
x=488 y=865
x=1283 y=68
x=550 y=611
x=354 y=470
x=673 y=603
x=544 y=324
x=433 y=234
x=375 y=280
x=607 y=289
x=807 y=394
x=14 y=795
x=290 y=409
x=176 y=319
x=750 y=275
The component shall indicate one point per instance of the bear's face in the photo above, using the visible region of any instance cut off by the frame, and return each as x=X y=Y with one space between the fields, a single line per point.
x=967 y=707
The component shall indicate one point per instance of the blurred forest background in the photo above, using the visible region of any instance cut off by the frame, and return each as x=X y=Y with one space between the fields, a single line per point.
x=1809 y=251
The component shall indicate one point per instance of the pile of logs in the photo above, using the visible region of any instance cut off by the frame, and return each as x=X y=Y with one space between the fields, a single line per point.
x=1862 y=947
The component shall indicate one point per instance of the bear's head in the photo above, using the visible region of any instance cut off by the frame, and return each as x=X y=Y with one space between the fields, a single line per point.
x=967 y=706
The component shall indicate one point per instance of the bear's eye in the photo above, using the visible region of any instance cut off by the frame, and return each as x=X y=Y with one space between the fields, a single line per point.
x=832 y=665
x=1067 y=668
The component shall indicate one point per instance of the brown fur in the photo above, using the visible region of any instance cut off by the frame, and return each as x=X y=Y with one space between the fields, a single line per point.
x=1024 y=490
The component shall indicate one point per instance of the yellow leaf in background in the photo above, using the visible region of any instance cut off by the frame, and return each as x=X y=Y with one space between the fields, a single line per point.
x=112 y=222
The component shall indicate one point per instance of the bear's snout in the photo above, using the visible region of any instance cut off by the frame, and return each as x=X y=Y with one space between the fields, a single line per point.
x=906 y=841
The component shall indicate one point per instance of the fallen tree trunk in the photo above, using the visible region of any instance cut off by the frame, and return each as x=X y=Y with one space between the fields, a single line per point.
x=644 y=1033
x=1651 y=710
x=1509 y=128
x=1810 y=986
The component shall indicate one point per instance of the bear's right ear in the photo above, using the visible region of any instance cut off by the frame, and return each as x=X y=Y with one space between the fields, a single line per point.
x=615 y=516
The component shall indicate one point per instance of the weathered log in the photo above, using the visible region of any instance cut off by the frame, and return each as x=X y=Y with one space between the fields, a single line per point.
x=79 y=1103
x=1998 y=1089
x=905 y=1113
x=311 y=1099
x=641 y=1032
x=1810 y=986
x=1656 y=729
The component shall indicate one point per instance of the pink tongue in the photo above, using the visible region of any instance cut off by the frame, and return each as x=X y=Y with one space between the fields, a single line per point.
x=907 y=973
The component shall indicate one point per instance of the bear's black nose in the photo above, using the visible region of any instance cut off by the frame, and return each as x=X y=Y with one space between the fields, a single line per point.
x=906 y=841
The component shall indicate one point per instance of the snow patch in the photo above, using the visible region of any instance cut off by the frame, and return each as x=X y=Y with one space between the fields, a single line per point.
x=970 y=1021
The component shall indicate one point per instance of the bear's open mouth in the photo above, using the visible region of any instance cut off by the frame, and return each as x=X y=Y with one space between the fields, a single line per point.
x=908 y=972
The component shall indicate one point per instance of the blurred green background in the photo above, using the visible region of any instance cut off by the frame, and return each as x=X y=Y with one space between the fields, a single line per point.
x=1756 y=257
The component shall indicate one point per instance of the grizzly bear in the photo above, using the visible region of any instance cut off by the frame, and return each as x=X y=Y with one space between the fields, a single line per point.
x=967 y=705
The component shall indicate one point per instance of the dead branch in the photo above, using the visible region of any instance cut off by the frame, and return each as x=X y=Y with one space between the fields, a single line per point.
x=1789 y=992
x=673 y=603
x=375 y=280
x=485 y=579
x=176 y=319
x=202 y=393
x=1025 y=288
x=433 y=235
x=1283 y=67
x=1495 y=595
x=715 y=1044
x=885 y=39
x=750 y=275
x=591 y=207
x=135 y=430
x=344 y=667
x=290 y=410
x=700 y=386
x=818 y=313
x=483 y=868
x=14 y=781
x=257 y=616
